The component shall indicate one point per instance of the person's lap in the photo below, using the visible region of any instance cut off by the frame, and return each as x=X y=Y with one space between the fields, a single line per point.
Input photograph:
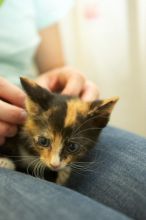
x=118 y=176
x=117 y=179
x=28 y=198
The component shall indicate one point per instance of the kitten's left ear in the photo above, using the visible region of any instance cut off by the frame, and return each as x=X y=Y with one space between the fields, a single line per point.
x=101 y=110
x=36 y=93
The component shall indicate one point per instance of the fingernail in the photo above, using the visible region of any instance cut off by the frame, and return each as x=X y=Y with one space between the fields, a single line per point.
x=12 y=133
x=2 y=141
x=23 y=115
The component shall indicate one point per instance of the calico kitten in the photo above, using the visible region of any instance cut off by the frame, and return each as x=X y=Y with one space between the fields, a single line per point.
x=58 y=132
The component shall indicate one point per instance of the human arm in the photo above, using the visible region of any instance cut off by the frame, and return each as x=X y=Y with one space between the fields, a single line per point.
x=56 y=75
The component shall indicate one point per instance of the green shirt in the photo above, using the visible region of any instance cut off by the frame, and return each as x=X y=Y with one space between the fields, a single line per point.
x=20 y=22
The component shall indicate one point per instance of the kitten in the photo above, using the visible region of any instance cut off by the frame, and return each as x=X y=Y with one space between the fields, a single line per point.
x=58 y=132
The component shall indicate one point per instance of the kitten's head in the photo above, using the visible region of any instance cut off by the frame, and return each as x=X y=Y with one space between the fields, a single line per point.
x=62 y=129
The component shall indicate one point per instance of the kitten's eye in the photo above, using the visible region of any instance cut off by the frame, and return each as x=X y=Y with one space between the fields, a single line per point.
x=72 y=147
x=44 y=142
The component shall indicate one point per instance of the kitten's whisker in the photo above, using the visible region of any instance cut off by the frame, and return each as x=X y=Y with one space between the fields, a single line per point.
x=34 y=169
x=84 y=166
x=23 y=159
x=88 y=129
x=78 y=168
x=38 y=170
x=81 y=168
x=76 y=171
x=77 y=142
x=45 y=166
x=74 y=131
x=41 y=170
x=22 y=156
x=85 y=162
x=82 y=138
x=30 y=164
x=75 y=166
x=83 y=172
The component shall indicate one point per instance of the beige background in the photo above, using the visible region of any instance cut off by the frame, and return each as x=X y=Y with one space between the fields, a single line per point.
x=110 y=49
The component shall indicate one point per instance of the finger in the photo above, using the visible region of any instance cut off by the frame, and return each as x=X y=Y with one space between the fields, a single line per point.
x=90 y=92
x=74 y=85
x=7 y=130
x=12 y=114
x=2 y=141
x=42 y=81
x=56 y=83
x=51 y=81
x=11 y=93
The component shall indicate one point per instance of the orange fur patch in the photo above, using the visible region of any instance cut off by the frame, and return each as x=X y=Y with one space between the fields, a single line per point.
x=74 y=107
x=68 y=159
x=31 y=126
x=112 y=101
x=52 y=155
x=31 y=107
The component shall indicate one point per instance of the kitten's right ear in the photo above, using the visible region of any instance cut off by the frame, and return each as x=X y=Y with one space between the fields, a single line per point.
x=101 y=110
x=36 y=93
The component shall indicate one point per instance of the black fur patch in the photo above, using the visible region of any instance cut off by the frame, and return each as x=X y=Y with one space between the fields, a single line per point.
x=38 y=94
x=57 y=117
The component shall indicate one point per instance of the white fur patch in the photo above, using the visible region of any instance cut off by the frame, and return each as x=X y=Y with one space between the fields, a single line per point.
x=55 y=159
x=7 y=163
x=63 y=176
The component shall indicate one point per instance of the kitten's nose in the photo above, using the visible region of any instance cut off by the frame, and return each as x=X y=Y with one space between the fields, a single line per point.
x=55 y=166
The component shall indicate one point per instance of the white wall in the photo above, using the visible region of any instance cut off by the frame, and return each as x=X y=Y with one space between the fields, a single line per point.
x=111 y=49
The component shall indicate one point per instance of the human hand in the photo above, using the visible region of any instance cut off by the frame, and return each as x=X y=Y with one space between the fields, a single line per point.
x=69 y=81
x=11 y=109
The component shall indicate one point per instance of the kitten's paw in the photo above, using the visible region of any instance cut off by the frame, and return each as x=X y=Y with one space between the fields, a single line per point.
x=6 y=163
x=63 y=176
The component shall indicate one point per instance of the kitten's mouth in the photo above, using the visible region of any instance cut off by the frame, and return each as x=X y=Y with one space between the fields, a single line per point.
x=55 y=167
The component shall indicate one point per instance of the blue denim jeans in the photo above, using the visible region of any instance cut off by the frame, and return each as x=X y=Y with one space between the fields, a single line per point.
x=115 y=181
